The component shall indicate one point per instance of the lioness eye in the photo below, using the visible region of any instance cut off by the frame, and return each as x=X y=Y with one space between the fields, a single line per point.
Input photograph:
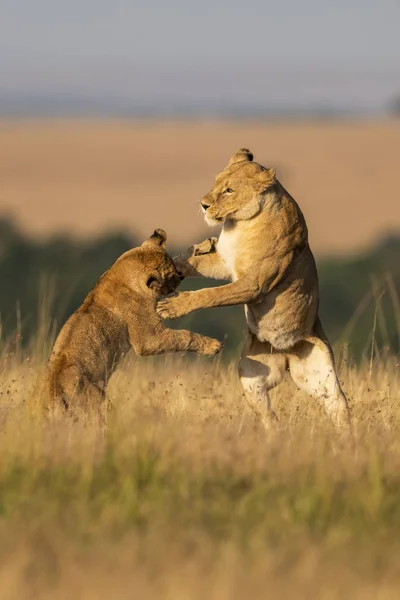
x=228 y=191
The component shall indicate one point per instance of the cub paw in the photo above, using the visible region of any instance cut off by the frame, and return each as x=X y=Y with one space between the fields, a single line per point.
x=181 y=266
x=212 y=348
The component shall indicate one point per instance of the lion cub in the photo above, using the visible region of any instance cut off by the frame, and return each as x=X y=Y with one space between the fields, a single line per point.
x=119 y=314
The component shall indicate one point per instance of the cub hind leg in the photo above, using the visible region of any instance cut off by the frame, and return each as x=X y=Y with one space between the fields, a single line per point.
x=76 y=395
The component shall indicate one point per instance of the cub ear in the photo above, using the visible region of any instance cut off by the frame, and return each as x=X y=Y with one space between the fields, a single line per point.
x=242 y=154
x=267 y=176
x=158 y=238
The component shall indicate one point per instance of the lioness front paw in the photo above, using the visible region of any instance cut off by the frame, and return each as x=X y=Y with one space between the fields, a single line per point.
x=212 y=348
x=207 y=247
x=172 y=308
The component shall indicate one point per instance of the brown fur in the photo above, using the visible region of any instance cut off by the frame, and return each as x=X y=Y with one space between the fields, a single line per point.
x=117 y=315
x=263 y=249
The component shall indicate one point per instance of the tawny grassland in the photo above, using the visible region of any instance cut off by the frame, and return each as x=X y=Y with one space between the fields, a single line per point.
x=87 y=176
x=187 y=495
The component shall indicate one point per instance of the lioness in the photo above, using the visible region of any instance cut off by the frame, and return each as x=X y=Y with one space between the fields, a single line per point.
x=119 y=313
x=263 y=249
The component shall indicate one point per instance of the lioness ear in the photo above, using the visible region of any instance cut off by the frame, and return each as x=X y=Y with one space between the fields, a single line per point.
x=158 y=238
x=242 y=154
x=267 y=176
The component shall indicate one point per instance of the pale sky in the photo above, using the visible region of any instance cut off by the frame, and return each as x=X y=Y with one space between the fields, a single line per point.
x=311 y=51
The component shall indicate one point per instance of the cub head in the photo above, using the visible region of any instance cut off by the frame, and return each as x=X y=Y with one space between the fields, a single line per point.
x=161 y=274
x=239 y=190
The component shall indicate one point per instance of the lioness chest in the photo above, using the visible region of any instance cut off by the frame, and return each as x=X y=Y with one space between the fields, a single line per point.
x=228 y=248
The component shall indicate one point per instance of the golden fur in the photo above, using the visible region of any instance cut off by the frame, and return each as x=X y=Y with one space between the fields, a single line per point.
x=263 y=249
x=117 y=315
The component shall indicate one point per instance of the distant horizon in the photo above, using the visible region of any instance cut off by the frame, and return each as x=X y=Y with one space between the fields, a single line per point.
x=120 y=88
x=83 y=107
x=75 y=104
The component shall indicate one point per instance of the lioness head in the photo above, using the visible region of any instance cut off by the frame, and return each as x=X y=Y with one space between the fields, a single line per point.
x=239 y=190
x=161 y=274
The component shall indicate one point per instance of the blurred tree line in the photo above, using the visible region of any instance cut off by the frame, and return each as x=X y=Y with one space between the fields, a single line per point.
x=43 y=282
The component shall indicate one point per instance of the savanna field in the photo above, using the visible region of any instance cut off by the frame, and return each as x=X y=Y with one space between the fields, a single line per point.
x=187 y=494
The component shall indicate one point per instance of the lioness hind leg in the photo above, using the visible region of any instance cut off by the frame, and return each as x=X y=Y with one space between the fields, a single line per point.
x=312 y=367
x=260 y=370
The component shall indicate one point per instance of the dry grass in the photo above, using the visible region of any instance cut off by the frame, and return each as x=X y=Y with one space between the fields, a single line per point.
x=87 y=176
x=186 y=495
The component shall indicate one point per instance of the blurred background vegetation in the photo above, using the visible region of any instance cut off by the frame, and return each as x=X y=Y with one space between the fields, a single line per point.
x=44 y=281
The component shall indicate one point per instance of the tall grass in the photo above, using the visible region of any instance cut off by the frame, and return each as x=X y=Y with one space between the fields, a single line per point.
x=187 y=495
